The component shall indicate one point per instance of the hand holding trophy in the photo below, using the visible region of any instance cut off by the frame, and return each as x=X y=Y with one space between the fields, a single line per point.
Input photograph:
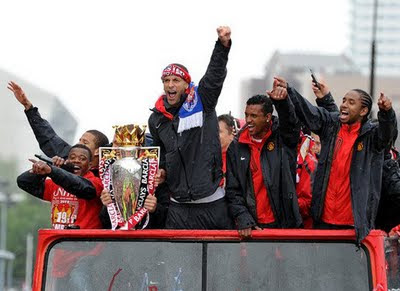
x=128 y=172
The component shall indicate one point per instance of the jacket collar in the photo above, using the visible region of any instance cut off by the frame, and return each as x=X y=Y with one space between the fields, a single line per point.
x=167 y=110
x=160 y=106
x=247 y=139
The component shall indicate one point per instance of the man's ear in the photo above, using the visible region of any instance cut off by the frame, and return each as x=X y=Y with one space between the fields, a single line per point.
x=364 y=111
x=269 y=117
x=187 y=91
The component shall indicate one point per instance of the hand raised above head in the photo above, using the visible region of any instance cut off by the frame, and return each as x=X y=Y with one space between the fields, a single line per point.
x=19 y=94
x=384 y=102
x=279 y=93
x=224 y=35
x=320 y=93
x=279 y=82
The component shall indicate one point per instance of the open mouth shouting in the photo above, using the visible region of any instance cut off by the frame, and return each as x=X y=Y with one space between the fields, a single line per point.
x=344 y=115
x=251 y=128
x=171 y=94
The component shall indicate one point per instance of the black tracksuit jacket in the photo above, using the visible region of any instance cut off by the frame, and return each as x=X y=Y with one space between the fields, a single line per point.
x=366 y=163
x=193 y=159
x=278 y=162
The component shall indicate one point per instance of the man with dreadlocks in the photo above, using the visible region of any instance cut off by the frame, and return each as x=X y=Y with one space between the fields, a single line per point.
x=184 y=124
x=347 y=184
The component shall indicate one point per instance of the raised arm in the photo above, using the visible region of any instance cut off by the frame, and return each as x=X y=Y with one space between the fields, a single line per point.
x=289 y=124
x=324 y=96
x=387 y=122
x=313 y=117
x=210 y=85
x=49 y=142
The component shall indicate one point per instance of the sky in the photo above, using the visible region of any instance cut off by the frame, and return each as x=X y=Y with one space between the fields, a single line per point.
x=104 y=59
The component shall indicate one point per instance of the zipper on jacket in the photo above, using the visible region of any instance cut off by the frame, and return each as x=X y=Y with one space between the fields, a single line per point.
x=189 y=192
x=327 y=177
x=269 y=193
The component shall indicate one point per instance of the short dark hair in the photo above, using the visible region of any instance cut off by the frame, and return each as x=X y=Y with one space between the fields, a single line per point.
x=82 y=146
x=261 y=100
x=101 y=139
x=366 y=99
x=229 y=121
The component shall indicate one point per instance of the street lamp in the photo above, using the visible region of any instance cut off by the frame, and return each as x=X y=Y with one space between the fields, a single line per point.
x=373 y=50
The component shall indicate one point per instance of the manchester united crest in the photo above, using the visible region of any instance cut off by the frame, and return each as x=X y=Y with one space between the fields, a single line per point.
x=270 y=146
x=360 y=146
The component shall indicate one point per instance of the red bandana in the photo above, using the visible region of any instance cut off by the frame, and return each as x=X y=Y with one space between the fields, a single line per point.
x=176 y=70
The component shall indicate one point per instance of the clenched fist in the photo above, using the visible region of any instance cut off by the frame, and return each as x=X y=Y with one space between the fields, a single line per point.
x=384 y=103
x=224 y=35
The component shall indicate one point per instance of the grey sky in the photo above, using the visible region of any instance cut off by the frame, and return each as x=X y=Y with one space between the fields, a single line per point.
x=104 y=58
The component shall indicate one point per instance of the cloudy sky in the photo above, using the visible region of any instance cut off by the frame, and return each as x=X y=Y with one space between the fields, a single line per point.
x=104 y=58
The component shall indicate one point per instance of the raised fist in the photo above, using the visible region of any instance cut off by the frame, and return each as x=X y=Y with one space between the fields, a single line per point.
x=224 y=35
x=384 y=103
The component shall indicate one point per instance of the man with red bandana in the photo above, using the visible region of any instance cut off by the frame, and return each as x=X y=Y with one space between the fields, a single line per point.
x=347 y=184
x=184 y=124
x=261 y=165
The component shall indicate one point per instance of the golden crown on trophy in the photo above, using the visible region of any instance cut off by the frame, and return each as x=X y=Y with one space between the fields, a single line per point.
x=129 y=135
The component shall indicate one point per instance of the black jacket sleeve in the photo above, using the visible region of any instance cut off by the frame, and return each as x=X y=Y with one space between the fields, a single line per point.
x=327 y=102
x=76 y=185
x=49 y=142
x=156 y=141
x=210 y=85
x=289 y=124
x=32 y=183
x=313 y=117
x=391 y=180
x=387 y=128
x=233 y=191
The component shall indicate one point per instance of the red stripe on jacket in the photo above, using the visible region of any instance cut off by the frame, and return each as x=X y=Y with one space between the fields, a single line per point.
x=338 y=205
x=263 y=206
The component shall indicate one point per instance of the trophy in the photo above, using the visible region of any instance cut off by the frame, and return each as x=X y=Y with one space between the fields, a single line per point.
x=128 y=170
x=125 y=174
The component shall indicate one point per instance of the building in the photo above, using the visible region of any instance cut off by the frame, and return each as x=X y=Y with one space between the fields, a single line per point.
x=18 y=140
x=387 y=36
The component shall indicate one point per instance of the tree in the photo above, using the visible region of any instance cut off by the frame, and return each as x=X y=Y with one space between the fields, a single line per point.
x=23 y=218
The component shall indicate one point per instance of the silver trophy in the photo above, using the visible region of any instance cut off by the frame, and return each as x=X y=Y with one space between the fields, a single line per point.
x=125 y=174
x=126 y=170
